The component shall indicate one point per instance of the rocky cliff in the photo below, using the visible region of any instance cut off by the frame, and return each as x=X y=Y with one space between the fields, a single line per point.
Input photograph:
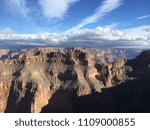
x=53 y=79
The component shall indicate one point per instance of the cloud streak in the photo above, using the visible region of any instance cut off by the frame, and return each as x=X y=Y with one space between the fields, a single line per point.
x=18 y=6
x=113 y=25
x=55 y=8
x=106 y=7
x=143 y=17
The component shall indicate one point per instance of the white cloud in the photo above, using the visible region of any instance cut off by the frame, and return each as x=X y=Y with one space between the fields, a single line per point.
x=34 y=39
x=143 y=17
x=138 y=37
x=18 y=6
x=55 y=8
x=141 y=30
x=106 y=7
x=106 y=37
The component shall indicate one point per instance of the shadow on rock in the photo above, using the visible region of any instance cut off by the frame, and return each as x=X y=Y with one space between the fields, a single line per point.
x=130 y=97
x=60 y=102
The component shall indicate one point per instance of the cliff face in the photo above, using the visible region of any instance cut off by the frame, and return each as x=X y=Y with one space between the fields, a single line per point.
x=30 y=81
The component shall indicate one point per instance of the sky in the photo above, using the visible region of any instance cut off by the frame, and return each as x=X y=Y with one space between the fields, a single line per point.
x=84 y=23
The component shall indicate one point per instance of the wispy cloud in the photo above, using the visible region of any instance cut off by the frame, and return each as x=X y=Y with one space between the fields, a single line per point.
x=48 y=8
x=143 y=17
x=113 y=25
x=106 y=7
x=55 y=8
x=18 y=6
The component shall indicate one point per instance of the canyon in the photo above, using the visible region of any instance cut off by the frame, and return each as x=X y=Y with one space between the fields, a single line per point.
x=74 y=80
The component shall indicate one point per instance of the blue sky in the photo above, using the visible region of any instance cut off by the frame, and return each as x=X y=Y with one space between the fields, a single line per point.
x=63 y=21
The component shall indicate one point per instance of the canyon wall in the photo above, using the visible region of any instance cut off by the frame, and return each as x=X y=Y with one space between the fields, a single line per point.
x=52 y=79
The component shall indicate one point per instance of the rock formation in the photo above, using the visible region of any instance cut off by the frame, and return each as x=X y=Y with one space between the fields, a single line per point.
x=50 y=79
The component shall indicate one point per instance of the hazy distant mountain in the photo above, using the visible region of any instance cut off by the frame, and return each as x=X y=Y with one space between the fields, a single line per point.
x=103 y=54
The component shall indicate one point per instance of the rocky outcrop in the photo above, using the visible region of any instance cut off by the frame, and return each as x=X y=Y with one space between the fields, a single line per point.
x=114 y=73
x=29 y=82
